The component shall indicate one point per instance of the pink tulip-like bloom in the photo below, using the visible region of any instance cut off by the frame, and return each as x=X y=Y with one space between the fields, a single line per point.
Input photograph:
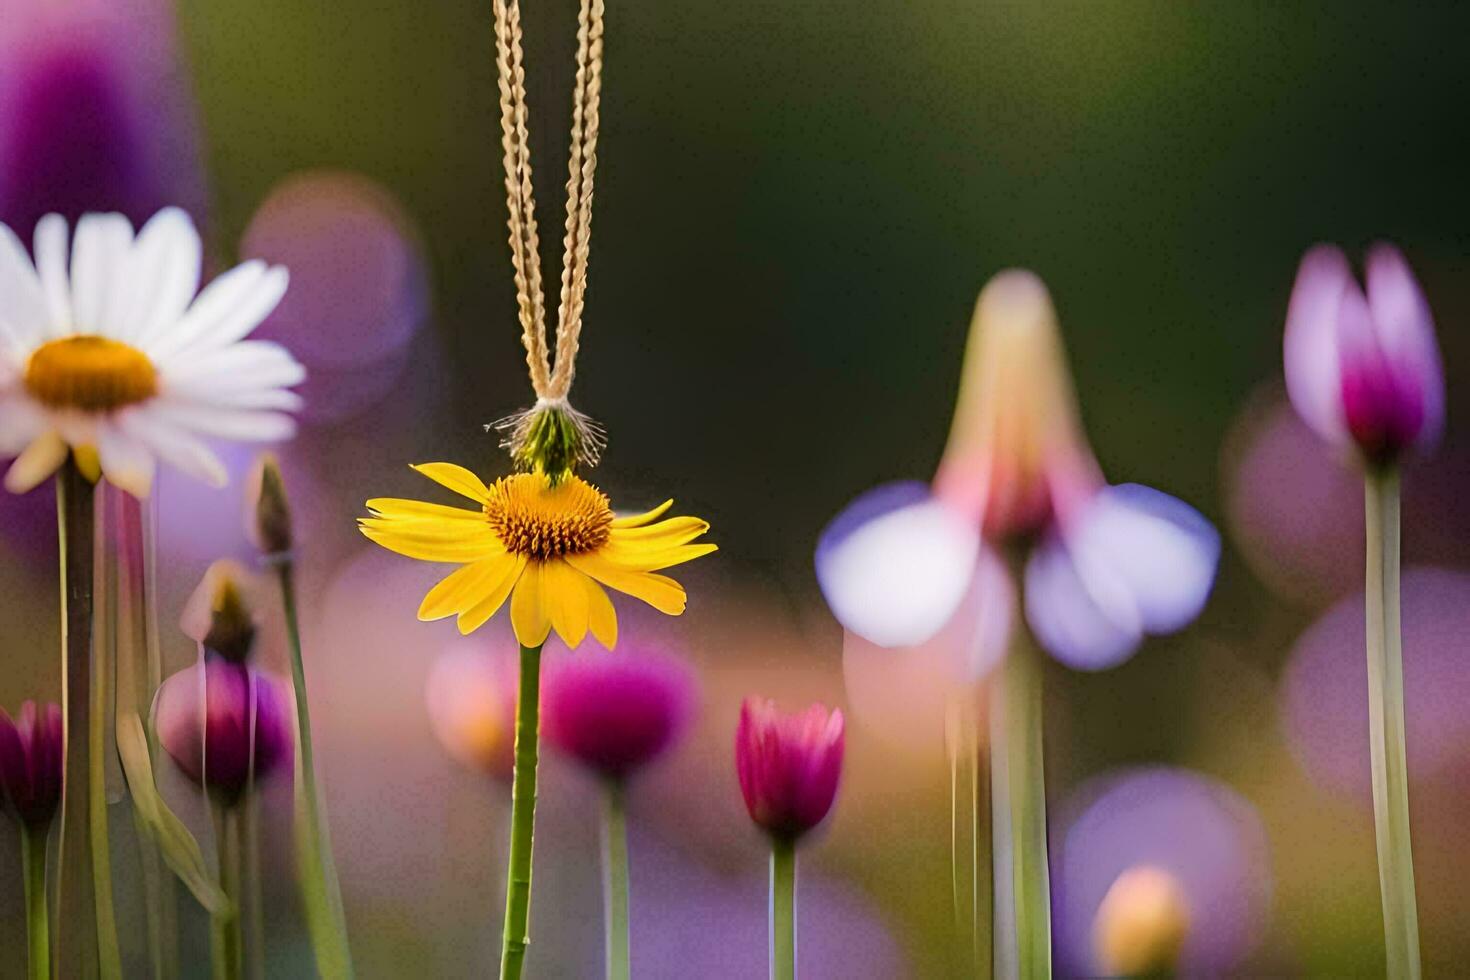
x=1105 y=565
x=31 y=763
x=789 y=765
x=212 y=744
x=616 y=712
x=1363 y=369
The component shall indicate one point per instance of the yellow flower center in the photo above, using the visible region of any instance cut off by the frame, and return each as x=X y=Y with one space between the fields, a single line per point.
x=89 y=373
x=535 y=519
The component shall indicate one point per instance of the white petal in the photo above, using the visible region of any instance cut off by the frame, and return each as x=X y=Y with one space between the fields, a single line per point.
x=176 y=447
x=1161 y=550
x=1083 y=619
x=227 y=423
x=229 y=308
x=25 y=314
x=20 y=422
x=99 y=255
x=40 y=459
x=165 y=264
x=246 y=364
x=126 y=462
x=50 y=246
x=896 y=564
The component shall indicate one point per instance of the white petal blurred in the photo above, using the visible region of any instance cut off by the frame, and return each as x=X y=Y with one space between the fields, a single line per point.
x=1087 y=620
x=51 y=252
x=1310 y=354
x=896 y=564
x=1160 y=548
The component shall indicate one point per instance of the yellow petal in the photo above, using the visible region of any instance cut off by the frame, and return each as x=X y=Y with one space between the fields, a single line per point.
x=675 y=530
x=477 y=615
x=601 y=617
x=40 y=459
x=638 y=520
x=566 y=601
x=395 y=508
x=89 y=463
x=528 y=613
x=456 y=478
x=463 y=588
x=639 y=559
x=432 y=543
x=659 y=591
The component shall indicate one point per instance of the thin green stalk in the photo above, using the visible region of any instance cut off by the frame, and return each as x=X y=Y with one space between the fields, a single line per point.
x=38 y=929
x=103 y=685
x=254 y=898
x=783 y=909
x=516 y=935
x=615 y=879
x=321 y=892
x=963 y=745
x=1022 y=889
x=228 y=945
x=1386 y=727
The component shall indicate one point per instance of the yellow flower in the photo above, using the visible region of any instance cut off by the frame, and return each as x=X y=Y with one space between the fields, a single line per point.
x=544 y=547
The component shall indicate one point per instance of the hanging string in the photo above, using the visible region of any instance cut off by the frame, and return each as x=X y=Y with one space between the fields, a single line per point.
x=549 y=384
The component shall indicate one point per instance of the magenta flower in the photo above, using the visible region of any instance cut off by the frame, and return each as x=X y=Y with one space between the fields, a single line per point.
x=31 y=763
x=1363 y=370
x=616 y=712
x=1106 y=566
x=204 y=720
x=789 y=765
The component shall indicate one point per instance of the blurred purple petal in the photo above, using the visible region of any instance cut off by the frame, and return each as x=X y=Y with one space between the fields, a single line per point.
x=1161 y=549
x=896 y=564
x=358 y=284
x=1405 y=331
x=1202 y=833
x=1310 y=352
x=1324 y=690
x=1087 y=620
x=95 y=114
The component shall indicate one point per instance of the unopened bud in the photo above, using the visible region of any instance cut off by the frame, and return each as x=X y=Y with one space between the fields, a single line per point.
x=1141 y=924
x=219 y=614
x=268 y=521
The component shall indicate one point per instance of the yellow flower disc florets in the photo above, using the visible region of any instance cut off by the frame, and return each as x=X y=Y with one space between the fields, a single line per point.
x=90 y=374
x=540 y=521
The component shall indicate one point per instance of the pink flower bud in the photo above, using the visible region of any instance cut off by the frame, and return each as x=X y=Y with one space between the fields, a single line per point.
x=615 y=712
x=204 y=719
x=31 y=762
x=1363 y=369
x=789 y=765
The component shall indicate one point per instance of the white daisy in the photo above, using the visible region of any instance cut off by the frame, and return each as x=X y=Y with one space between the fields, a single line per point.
x=116 y=361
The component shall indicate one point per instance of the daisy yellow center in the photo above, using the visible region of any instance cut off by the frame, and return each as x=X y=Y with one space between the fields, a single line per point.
x=540 y=521
x=92 y=374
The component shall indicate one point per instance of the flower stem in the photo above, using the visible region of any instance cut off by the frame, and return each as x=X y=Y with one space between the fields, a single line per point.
x=615 y=879
x=38 y=929
x=228 y=937
x=1022 y=887
x=963 y=746
x=516 y=935
x=81 y=950
x=1386 y=727
x=783 y=909
x=321 y=892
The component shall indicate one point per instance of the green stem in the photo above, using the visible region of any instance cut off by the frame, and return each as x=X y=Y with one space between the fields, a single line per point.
x=615 y=880
x=1022 y=887
x=963 y=745
x=783 y=909
x=228 y=935
x=321 y=891
x=104 y=684
x=1386 y=727
x=38 y=929
x=516 y=935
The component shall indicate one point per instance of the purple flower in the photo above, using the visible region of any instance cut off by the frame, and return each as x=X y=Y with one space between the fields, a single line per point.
x=615 y=712
x=1363 y=369
x=31 y=762
x=94 y=115
x=204 y=719
x=1107 y=565
x=789 y=765
x=1154 y=865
